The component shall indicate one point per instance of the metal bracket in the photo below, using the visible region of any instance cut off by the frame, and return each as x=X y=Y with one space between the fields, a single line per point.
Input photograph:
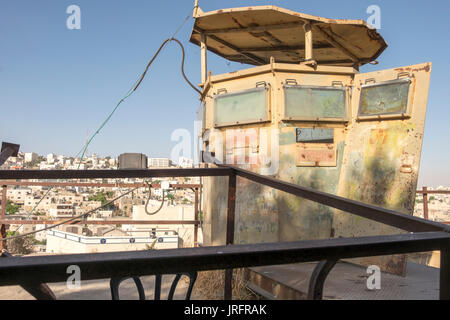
x=403 y=75
x=291 y=82
x=318 y=277
x=221 y=91
x=261 y=84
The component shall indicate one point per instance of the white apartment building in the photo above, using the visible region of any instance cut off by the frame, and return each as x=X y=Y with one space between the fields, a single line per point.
x=77 y=166
x=158 y=162
x=101 y=214
x=61 y=210
x=184 y=162
x=49 y=166
x=32 y=201
x=30 y=157
x=18 y=195
x=51 y=158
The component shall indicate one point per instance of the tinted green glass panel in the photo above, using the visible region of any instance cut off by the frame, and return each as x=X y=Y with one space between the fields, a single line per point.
x=311 y=102
x=382 y=99
x=241 y=107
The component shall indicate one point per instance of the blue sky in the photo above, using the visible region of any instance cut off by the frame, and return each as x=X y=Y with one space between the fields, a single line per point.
x=56 y=84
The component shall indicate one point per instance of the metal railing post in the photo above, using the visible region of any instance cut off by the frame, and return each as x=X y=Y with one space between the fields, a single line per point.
x=425 y=203
x=196 y=210
x=228 y=290
x=3 y=244
x=444 y=283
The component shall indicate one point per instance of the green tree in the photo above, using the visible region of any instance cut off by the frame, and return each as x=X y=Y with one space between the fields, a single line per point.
x=170 y=196
x=103 y=198
x=11 y=208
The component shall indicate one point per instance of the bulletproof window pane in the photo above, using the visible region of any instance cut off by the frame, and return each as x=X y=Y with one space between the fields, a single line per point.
x=241 y=107
x=302 y=102
x=385 y=98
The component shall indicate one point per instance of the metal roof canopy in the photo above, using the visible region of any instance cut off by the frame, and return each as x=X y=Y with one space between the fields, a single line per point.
x=253 y=35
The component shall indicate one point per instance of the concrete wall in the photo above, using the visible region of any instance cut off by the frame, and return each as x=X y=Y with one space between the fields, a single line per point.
x=180 y=212
x=66 y=243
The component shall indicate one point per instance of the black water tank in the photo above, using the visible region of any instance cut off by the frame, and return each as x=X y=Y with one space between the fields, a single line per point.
x=132 y=161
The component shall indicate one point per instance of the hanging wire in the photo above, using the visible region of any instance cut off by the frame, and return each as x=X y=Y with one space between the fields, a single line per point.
x=148 y=200
x=128 y=94
x=81 y=216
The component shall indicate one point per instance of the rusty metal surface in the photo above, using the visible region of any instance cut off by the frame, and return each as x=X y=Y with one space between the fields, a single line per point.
x=3 y=244
x=444 y=280
x=94 y=184
x=196 y=214
x=272 y=215
x=318 y=277
x=50 y=269
x=101 y=222
x=317 y=157
x=254 y=34
x=388 y=217
x=96 y=174
x=39 y=291
x=230 y=232
x=277 y=216
x=377 y=153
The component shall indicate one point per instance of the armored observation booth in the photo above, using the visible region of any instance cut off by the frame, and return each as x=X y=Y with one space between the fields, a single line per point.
x=306 y=115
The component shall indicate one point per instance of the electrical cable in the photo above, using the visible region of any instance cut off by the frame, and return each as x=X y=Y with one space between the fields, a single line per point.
x=84 y=215
x=148 y=200
x=128 y=94
x=182 y=64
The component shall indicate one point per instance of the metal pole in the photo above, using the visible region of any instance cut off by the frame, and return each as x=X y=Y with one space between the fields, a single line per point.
x=228 y=292
x=444 y=293
x=425 y=203
x=194 y=12
x=196 y=219
x=204 y=58
x=308 y=42
x=3 y=244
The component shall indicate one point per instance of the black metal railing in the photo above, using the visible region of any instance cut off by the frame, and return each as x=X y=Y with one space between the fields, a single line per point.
x=423 y=236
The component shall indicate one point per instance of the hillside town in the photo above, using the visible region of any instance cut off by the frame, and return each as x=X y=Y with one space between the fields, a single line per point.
x=40 y=200
x=438 y=205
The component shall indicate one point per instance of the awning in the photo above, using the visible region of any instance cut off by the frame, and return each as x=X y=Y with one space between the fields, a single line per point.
x=252 y=35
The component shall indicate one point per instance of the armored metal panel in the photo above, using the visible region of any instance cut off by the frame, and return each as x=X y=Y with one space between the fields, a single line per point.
x=378 y=153
x=314 y=103
x=253 y=35
x=262 y=213
x=386 y=98
x=248 y=106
